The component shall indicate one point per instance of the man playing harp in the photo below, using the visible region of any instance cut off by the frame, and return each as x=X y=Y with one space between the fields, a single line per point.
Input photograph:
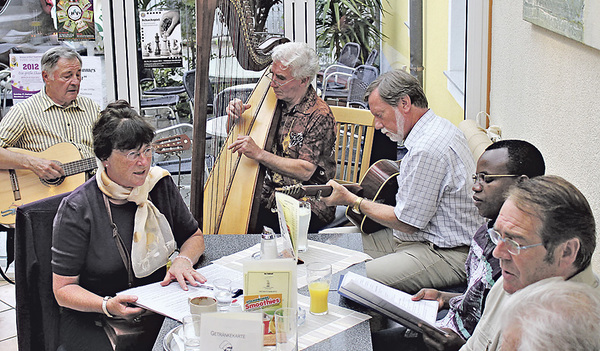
x=303 y=149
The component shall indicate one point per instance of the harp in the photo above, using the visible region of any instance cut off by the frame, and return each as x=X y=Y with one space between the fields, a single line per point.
x=228 y=202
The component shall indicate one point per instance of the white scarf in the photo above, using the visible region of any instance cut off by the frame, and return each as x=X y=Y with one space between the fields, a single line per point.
x=153 y=240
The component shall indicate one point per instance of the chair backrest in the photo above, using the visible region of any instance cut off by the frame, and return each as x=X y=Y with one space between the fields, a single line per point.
x=372 y=57
x=366 y=73
x=37 y=309
x=222 y=99
x=189 y=82
x=358 y=84
x=349 y=55
x=354 y=131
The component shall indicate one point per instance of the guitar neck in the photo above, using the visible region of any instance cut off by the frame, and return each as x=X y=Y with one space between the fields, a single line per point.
x=79 y=166
x=325 y=190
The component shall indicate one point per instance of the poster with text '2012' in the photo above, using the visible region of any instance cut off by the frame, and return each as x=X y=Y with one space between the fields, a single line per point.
x=161 y=39
x=26 y=73
x=75 y=20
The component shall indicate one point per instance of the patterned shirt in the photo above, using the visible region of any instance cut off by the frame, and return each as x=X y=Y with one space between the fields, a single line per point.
x=483 y=270
x=306 y=132
x=434 y=185
x=38 y=123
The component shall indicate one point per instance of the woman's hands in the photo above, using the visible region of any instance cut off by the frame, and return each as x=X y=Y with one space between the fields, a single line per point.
x=122 y=306
x=183 y=271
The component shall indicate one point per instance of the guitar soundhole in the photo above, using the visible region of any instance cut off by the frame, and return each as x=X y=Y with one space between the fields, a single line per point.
x=55 y=181
x=52 y=182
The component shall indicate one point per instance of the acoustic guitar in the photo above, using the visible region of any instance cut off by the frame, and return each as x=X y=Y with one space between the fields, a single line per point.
x=378 y=184
x=22 y=186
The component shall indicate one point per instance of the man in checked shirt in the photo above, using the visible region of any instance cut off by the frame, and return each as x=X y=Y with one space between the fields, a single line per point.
x=430 y=228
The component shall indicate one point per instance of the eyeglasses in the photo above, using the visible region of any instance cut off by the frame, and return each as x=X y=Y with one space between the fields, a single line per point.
x=271 y=76
x=512 y=246
x=488 y=178
x=134 y=155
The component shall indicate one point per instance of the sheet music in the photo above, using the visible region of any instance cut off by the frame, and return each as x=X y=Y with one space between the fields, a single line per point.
x=424 y=309
x=393 y=303
x=172 y=301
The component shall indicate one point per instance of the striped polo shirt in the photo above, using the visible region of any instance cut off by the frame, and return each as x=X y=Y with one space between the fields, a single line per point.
x=38 y=123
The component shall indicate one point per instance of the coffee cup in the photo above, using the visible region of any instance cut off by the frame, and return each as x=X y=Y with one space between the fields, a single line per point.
x=202 y=304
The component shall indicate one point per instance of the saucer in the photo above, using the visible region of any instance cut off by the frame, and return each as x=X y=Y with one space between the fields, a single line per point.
x=169 y=343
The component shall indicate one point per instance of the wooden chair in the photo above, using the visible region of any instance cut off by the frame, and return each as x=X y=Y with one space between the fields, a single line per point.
x=354 y=129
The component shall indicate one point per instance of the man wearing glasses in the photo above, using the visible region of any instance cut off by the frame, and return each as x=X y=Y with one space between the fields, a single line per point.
x=499 y=167
x=545 y=229
x=303 y=150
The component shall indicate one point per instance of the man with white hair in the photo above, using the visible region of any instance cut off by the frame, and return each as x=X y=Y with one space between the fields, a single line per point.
x=303 y=150
x=552 y=314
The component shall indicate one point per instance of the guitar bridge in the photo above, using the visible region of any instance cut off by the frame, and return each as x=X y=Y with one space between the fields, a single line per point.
x=14 y=183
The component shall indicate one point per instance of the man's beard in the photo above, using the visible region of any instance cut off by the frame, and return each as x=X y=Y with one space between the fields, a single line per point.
x=399 y=135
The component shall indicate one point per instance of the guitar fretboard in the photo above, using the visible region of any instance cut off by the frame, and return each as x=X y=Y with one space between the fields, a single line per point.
x=79 y=166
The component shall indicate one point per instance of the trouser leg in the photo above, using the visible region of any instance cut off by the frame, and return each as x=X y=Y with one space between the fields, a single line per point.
x=416 y=265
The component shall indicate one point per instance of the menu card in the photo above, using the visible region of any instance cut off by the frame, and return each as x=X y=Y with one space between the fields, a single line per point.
x=231 y=331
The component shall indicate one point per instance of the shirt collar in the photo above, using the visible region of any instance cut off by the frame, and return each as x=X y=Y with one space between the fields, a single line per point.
x=308 y=100
x=416 y=131
x=47 y=102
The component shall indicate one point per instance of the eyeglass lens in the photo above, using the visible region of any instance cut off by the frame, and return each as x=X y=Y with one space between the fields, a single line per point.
x=512 y=246
x=134 y=155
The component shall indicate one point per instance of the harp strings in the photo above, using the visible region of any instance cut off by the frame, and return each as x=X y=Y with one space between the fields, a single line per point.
x=223 y=65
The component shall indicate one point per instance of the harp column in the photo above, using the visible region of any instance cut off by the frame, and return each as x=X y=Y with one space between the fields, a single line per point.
x=299 y=19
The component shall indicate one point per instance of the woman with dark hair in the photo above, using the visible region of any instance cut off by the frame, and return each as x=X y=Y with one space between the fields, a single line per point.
x=119 y=230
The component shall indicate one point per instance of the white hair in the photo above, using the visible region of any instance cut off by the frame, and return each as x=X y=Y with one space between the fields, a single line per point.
x=554 y=314
x=300 y=58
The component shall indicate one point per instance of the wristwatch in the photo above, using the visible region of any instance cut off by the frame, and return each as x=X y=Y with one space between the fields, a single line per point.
x=356 y=205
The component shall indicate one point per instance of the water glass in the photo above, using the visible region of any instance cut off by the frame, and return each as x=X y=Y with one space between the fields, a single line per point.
x=191 y=332
x=286 y=329
x=223 y=293
x=318 y=277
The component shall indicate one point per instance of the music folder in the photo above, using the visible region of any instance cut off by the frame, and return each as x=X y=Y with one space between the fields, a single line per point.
x=390 y=302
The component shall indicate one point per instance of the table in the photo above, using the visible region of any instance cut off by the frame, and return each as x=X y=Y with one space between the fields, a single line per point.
x=358 y=336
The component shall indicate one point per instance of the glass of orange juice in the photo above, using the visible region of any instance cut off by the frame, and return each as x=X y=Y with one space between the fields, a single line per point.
x=318 y=276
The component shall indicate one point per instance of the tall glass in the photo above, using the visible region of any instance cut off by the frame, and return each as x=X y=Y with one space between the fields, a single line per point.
x=303 y=224
x=319 y=279
x=286 y=329
x=191 y=332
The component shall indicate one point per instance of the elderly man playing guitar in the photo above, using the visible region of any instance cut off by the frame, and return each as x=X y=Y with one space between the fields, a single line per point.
x=54 y=115
x=429 y=229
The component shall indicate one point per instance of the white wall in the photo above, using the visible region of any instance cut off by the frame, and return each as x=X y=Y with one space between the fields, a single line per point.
x=545 y=88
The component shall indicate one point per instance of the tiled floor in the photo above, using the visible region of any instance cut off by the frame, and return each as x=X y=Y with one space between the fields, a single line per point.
x=8 y=321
